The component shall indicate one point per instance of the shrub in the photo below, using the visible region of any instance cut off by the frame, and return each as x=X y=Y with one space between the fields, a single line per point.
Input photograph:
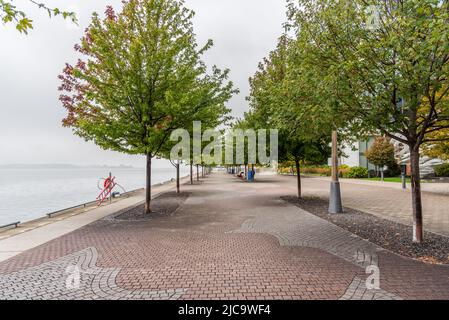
x=357 y=173
x=284 y=170
x=343 y=170
x=322 y=170
x=394 y=170
x=442 y=170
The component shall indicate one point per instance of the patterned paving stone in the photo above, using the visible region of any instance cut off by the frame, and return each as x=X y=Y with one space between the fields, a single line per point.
x=73 y=277
x=296 y=227
x=357 y=291
x=388 y=203
x=228 y=240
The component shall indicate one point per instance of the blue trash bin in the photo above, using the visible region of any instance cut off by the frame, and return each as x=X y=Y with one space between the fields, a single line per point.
x=250 y=176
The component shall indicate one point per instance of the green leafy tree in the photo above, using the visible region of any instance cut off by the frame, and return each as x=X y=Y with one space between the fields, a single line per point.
x=137 y=77
x=248 y=123
x=207 y=106
x=437 y=145
x=278 y=101
x=300 y=151
x=381 y=154
x=380 y=73
x=10 y=13
x=439 y=148
x=214 y=116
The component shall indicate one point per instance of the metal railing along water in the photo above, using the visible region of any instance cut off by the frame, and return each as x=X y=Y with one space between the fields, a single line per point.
x=80 y=206
x=86 y=204
x=65 y=210
x=14 y=224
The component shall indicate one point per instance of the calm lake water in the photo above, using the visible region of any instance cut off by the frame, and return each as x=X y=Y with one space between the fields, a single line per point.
x=27 y=194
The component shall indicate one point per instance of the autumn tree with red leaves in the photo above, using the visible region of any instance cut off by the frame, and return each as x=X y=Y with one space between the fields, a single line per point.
x=136 y=79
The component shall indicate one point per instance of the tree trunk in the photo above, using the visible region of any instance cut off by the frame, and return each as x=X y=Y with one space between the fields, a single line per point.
x=178 y=189
x=382 y=174
x=148 y=186
x=197 y=173
x=298 y=175
x=335 y=173
x=416 y=196
x=191 y=174
x=246 y=171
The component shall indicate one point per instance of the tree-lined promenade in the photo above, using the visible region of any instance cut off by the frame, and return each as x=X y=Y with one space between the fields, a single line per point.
x=356 y=68
x=228 y=240
x=361 y=68
x=141 y=77
x=342 y=71
x=352 y=68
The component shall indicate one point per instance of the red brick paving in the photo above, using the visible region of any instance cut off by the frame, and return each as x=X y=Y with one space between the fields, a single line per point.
x=194 y=251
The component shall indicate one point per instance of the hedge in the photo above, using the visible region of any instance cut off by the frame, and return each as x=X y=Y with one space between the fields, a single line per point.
x=442 y=170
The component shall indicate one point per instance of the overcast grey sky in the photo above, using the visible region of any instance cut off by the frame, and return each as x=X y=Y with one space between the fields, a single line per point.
x=244 y=31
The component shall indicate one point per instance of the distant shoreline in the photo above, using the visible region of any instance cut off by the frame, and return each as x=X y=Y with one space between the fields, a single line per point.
x=64 y=166
x=29 y=194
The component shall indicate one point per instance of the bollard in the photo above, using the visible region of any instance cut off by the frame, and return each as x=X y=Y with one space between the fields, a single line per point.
x=404 y=181
x=404 y=176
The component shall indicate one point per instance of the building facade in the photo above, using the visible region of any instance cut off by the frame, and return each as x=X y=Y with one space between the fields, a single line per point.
x=354 y=156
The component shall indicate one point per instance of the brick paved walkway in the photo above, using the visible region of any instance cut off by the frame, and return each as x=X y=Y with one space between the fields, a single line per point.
x=228 y=240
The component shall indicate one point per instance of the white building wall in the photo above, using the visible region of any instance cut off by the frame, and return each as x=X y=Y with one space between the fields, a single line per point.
x=352 y=157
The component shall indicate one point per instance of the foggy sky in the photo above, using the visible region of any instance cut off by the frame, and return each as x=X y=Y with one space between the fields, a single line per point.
x=244 y=31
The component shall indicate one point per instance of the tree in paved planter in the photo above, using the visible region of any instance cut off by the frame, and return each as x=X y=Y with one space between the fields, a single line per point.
x=206 y=106
x=381 y=154
x=135 y=78
x=211 y=115
x=242 y=125
x=302 y=151
x=278 y=100
x=381 y=73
